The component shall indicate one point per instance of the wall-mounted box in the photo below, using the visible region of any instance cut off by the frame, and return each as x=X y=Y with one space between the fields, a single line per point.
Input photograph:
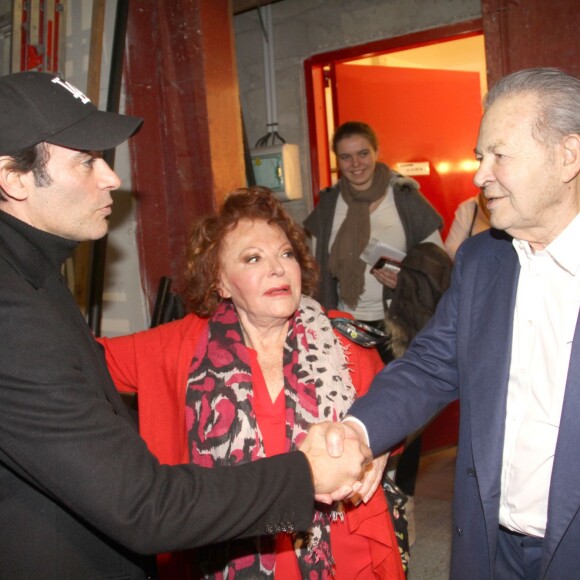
x=278 y=168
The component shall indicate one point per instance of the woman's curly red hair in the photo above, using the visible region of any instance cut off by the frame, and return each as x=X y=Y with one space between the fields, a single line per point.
x=205 y=244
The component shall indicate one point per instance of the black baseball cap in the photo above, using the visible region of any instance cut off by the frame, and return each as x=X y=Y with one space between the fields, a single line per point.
x=38 y=106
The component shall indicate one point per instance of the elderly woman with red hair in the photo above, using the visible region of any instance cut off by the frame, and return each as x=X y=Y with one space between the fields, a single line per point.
x=243 y=376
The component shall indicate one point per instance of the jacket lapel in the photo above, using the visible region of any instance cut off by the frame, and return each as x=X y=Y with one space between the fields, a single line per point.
x=493 y=314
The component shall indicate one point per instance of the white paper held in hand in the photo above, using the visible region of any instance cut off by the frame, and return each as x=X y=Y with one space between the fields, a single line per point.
x=380 y=255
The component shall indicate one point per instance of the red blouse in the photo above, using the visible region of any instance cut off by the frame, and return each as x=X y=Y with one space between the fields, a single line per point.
x=351 y=552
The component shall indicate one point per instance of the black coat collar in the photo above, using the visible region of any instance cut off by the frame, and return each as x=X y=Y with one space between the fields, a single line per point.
x=33 y=253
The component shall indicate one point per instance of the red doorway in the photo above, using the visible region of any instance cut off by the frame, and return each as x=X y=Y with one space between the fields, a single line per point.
x=322 y=78
x=426 y=121
x=434 y=114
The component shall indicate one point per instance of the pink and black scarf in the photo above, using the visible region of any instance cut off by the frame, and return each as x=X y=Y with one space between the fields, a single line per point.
x=223 y=431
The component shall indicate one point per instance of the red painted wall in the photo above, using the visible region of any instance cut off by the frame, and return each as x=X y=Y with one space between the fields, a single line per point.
x=418 y=115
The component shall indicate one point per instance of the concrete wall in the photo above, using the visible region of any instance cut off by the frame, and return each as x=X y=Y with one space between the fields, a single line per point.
x=303 y=28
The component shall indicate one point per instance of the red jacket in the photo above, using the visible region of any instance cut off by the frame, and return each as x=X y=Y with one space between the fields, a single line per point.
x=155 y=363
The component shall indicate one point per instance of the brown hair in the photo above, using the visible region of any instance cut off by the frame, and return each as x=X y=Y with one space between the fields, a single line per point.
x=33 y=159
x=351 y=128
x=205 y=245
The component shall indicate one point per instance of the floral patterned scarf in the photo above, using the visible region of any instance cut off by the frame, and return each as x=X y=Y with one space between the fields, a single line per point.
x=222 y=427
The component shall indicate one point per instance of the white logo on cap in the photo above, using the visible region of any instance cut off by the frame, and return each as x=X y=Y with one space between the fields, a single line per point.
x=73 y=90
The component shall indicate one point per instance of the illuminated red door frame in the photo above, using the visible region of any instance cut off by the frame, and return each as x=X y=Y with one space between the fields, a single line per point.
x=314 y=80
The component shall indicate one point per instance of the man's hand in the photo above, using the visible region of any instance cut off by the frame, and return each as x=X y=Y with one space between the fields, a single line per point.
x=371 y=480
x=337 y=433
x=335 y=477
x=336 y=436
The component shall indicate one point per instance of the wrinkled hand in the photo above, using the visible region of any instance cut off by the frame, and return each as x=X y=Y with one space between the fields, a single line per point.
x=371 y=480
x=335 y=477
x=336 y=436
x=386 y=277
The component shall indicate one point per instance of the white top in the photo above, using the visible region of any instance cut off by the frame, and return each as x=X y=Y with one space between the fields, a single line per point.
x=386 y=226
x=459 y=230
x=546 y=311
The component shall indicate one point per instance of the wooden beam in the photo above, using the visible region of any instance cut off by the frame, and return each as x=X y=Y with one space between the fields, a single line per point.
x=96 y=51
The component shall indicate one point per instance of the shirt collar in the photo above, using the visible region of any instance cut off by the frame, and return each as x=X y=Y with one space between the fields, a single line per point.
x=563 y=250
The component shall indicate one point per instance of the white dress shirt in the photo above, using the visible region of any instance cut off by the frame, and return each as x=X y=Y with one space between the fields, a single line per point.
x=546 y=311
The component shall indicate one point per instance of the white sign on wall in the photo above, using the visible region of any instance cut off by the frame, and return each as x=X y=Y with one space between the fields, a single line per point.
x=417 y=168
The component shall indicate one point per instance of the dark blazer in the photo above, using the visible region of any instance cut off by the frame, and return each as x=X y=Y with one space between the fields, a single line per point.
x=80 y=494
x=464 y=352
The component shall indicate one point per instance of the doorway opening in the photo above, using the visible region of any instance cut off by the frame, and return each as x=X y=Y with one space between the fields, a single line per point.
x=422 y=95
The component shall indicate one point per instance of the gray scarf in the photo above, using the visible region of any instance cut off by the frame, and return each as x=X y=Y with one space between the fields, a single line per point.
x=354 y=233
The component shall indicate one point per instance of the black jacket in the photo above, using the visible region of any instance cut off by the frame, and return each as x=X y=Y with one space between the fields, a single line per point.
x=425 y=275
x=80 y=495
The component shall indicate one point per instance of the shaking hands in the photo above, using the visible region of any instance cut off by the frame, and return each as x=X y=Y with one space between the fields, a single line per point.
x=342 y=464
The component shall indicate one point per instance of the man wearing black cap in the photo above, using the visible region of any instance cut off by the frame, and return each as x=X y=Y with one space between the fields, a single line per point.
x=80 y=495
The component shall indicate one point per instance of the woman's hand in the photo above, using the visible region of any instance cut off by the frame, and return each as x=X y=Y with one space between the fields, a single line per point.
x=386 y=277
